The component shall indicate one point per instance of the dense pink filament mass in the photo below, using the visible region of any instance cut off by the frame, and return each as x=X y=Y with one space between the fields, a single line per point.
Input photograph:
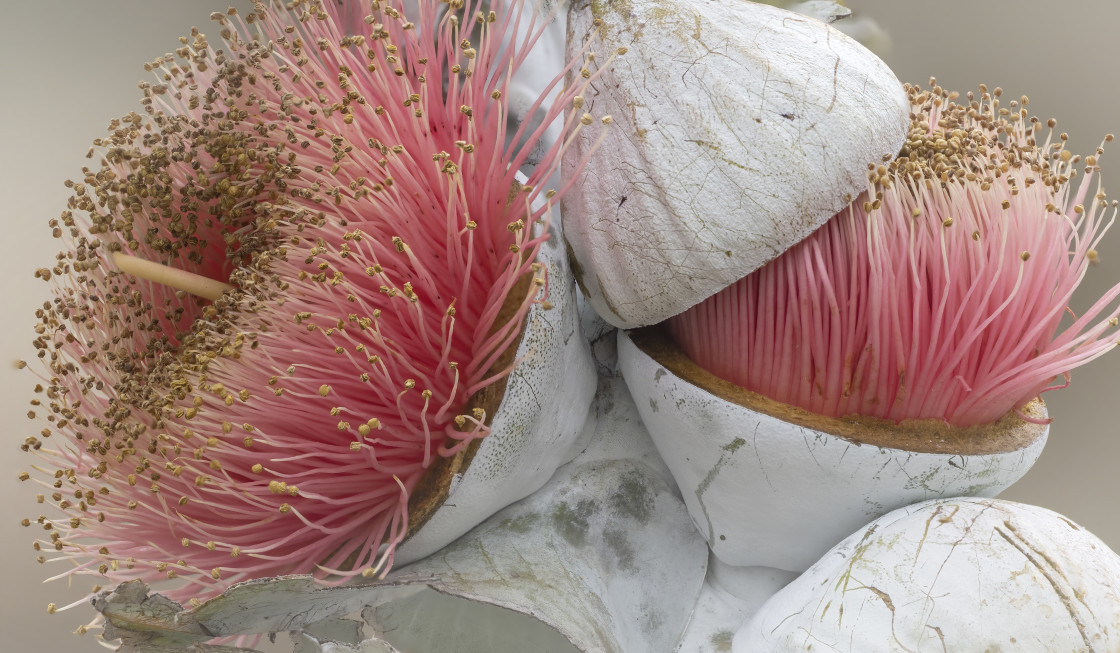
x=939 y=293
x=353 y=178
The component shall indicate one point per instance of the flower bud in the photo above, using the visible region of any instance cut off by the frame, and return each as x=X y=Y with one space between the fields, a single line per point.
x=951 y=575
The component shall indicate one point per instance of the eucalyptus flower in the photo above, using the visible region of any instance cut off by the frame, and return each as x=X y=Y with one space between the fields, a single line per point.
x=291 y=295
x=895 y=355
x=940 y=292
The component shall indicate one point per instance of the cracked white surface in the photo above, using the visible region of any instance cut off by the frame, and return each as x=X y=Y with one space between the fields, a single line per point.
x=950 y=575
x=737 y=129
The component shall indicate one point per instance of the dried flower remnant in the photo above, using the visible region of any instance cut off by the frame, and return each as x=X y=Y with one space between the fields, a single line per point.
x=349 y=176
x=940 y=292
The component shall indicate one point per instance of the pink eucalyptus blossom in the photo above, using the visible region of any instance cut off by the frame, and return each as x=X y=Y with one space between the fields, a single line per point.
x=353 y=177
x=939 y=293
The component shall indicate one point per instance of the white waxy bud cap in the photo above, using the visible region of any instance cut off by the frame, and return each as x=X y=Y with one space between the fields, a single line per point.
x=738 y=129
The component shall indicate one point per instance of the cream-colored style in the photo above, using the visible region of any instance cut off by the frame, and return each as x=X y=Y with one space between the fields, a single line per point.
x=951 y=575
x=738 y=129
x=765 y=491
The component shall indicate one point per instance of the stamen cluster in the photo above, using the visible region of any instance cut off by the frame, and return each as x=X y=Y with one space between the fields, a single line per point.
x=352 y=176
x=940 y=292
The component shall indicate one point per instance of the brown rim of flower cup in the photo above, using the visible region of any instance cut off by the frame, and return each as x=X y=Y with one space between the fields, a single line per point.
x=1010 y=433
x=434 y=487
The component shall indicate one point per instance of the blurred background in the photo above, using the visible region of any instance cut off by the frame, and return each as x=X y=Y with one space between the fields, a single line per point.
x=72 y=65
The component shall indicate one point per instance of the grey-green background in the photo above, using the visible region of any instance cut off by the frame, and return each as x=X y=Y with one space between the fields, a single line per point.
x=68 y=66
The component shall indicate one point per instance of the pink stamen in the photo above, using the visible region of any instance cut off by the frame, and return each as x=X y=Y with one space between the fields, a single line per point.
x=352 y=180
x=937 y=294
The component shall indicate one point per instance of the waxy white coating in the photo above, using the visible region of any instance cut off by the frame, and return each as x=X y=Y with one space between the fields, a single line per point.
x=605 y=555
x=766 y=492
x=737 y=129
x=950 y=575
x=730 y=596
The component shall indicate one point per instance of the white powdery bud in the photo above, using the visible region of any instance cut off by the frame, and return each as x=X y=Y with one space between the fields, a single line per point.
x=950 y=575
x=738 y=130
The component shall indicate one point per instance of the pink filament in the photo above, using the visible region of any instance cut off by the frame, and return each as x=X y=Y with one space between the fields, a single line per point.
x=359 y=332
x=945 y=301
